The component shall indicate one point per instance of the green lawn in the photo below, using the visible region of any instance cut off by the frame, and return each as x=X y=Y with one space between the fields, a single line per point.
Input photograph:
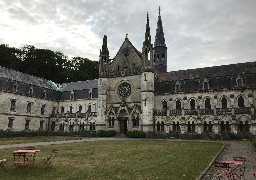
x=16 y=140
x=142 y=159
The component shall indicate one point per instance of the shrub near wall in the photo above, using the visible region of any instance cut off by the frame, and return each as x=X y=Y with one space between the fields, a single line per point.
x=136 y=134
x=9 y=133
x=103 y=133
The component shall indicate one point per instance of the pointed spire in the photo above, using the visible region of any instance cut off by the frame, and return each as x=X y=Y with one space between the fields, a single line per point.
x=105 y=46
x=159 y=38
x=104 y=58
x=147 y=33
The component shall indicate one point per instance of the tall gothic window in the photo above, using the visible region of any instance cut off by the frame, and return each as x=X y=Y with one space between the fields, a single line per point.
x=164 y=105
x=29 y=105
x=89 y=108
x=43 y=109
x=80 y=108
x=135 y=121
x=224 y=103
x=27 y=124
x=70 y=109
x=178 y=104
x=192 y=104
x=111 y=122
x=241 y=102
x=10 y=123
x=207 y=103
x=62 y=109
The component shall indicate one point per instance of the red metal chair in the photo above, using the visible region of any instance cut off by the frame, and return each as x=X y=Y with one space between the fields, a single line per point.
x=20 y=160
x=2 y=164
x=223 y=170
x=242 y=168
x=48 y=160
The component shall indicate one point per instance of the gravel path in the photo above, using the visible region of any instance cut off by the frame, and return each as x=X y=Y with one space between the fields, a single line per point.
x=236 y=148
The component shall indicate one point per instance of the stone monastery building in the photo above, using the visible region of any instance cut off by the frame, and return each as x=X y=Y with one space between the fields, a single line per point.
x=134 y=92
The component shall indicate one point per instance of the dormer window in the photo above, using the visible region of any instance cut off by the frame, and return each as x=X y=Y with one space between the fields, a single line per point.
x=44 y=94
x=15 y=87
x=72 y=95
x=30 y=91
x=177 y=86
x=90 y=94
x=239 y=81
x=206 y=84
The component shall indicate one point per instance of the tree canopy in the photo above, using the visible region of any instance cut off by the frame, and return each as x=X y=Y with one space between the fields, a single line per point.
x=47 y=64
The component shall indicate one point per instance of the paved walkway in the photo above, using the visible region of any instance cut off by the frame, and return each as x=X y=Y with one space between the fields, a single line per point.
x=237 y=148
x=59 y=142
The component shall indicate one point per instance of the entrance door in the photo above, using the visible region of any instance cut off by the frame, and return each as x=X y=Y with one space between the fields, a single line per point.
x=123 y=125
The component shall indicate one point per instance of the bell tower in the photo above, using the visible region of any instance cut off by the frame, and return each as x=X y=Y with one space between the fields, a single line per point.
x=160 y=49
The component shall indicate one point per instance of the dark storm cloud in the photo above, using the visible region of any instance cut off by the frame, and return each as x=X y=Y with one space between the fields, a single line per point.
x=198 y=33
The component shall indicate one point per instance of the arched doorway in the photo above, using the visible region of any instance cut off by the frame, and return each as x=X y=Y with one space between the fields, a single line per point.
x=123 y=121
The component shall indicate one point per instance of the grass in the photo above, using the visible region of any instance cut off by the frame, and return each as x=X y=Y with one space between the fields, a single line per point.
x=17 y=140
x=142 y=159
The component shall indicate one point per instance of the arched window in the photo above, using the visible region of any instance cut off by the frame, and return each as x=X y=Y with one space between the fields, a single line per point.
x=157 y=55
x=224 y=103
x=89 y=108
x=241 y=102
x=246 y=127
x=178 y=104
x=162 y=126
x=62 y=109
x=189 y=126
x=164 y=105
x=53 y=126
x=240 y=127
x=70 y=109
x=192 y=104
x=163 y=55
x=80 y=108
x=158 y=127
x=207 y=103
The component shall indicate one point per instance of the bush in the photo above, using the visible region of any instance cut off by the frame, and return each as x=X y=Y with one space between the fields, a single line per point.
x=103 y=133
x=136 y=134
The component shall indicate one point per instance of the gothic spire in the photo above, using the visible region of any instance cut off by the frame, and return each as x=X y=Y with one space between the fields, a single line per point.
x=159 y=38
x=147 y=33
x=104 y=58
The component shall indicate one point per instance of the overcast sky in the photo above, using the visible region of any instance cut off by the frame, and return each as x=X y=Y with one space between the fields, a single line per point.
x=198 y=33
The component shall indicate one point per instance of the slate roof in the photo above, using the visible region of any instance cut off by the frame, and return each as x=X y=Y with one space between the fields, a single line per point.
x=80 y=85
x=224 y=70
x=22 y=77
x=218 y=77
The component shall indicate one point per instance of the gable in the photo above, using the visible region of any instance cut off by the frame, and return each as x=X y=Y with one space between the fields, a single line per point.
x=127 y=61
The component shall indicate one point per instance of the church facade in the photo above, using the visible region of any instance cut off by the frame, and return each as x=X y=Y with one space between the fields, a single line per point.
x=135 y=92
